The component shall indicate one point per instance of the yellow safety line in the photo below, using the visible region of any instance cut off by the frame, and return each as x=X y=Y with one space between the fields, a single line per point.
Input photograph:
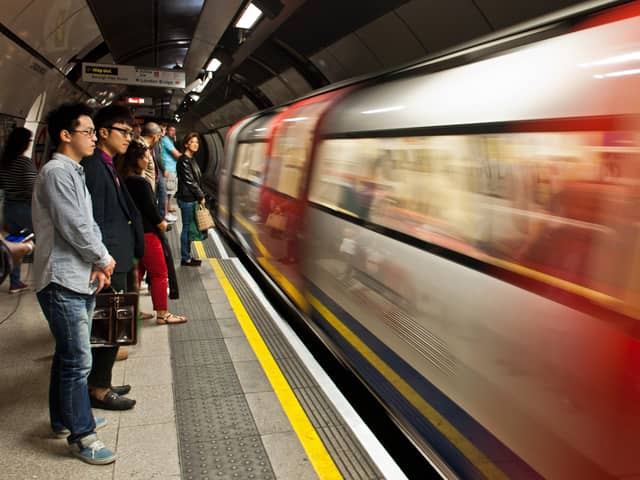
x=318 y=455
x=479 y=460
x=200 y=249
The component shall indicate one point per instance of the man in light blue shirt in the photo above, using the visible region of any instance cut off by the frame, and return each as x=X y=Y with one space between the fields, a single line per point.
x=170 y=156
x=71 y=264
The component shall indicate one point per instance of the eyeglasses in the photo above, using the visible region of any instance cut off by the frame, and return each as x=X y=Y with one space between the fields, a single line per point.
x=87 y=133
x=123 y=131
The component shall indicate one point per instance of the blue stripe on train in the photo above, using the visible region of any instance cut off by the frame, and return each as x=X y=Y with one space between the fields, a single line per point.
x=499 y=454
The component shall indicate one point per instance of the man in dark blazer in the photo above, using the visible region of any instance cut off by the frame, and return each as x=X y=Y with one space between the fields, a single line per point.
x=122 y=233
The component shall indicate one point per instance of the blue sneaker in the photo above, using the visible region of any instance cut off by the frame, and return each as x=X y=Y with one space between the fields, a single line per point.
x=91 y=450
x=101 y=422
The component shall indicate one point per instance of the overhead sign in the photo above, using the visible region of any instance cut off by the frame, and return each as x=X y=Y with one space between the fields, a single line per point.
x=130 y=75
x=139 y=100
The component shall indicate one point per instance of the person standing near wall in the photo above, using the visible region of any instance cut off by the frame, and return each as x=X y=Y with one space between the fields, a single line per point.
x=17 y=176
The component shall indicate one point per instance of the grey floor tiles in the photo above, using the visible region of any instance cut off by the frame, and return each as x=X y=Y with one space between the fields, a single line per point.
x=27 y=449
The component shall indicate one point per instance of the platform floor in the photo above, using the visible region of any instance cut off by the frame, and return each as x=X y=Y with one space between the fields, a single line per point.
x=208 y=403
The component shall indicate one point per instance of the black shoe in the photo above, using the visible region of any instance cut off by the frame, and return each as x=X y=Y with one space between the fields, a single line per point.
x=121 y=389
x=113 y=401
x=192 y=262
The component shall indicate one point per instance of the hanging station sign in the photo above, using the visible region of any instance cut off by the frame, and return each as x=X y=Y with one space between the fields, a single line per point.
x=130 y=75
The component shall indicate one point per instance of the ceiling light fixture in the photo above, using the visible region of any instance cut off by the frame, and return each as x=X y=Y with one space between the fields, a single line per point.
x=213 y=65
x=249 y=17
x=203 y=83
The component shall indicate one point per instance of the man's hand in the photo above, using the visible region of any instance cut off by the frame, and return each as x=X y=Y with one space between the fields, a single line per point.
x=102 y=279
x=18 y=249
x=165 y=174
x=108 y=270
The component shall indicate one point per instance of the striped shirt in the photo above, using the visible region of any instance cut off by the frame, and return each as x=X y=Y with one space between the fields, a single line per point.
x=17 y=181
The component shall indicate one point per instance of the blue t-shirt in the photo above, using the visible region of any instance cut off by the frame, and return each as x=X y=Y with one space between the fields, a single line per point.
x=167 y=159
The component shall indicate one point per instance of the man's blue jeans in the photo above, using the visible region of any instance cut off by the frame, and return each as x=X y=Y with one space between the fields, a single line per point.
x=186 y=208
x=69 y=315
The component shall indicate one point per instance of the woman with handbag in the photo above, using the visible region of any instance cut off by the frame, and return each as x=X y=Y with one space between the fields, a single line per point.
x=189 y=194
x=132 y=166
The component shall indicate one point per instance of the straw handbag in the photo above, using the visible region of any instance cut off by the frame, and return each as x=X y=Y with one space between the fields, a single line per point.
x=204 y=220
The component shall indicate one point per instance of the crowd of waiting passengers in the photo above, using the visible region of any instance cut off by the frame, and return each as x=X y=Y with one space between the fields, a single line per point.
x=99 y=209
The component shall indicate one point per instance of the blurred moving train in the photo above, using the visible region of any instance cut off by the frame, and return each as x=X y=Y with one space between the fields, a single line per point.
x=465 y=233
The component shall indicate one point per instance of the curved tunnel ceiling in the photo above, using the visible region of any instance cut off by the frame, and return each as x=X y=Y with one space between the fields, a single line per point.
x=297 y=46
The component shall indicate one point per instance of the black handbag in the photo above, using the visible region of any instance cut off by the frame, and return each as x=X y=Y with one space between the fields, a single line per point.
x=115 y=319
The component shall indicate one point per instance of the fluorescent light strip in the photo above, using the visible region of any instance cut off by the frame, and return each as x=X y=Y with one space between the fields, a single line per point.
x=249 y=17
x=214 y=64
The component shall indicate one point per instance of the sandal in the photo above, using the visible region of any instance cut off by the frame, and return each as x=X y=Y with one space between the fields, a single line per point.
x=146 y=316
x=170 y=318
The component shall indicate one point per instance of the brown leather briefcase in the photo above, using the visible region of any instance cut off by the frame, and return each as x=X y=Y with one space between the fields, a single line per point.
x=115 y=319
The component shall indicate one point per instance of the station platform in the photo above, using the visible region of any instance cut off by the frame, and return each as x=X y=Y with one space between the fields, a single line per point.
x=231 y=394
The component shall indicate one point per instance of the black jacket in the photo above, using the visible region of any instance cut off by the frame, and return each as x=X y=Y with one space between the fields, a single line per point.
x=144 y=199
x=114 y=212
x=189 y=176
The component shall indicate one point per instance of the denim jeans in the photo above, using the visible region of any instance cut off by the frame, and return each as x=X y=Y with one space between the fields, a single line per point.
x=69 y=315
x=186 y=208
x=17 y=215
x=161 y=194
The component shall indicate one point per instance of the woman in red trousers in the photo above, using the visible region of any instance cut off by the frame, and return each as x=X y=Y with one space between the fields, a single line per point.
x=132 y=167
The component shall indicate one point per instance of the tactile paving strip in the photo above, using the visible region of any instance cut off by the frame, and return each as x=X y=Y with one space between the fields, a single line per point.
x=215 y=418
x=218 y=438
x=210 y=248
x=200 y=352
x=229 y=459
x=347 y=452
x=197 y=331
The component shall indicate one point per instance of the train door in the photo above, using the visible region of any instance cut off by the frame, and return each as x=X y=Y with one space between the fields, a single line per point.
x=283 y=193
x=224 y=182
x=247 y=179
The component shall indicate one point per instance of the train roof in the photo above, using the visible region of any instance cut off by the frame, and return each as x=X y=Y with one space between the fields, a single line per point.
x=572 y=75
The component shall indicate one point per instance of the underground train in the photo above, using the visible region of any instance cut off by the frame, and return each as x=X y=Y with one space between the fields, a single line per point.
x=465 y=232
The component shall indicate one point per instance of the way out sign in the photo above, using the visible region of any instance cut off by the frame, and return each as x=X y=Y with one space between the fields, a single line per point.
x=130 y=75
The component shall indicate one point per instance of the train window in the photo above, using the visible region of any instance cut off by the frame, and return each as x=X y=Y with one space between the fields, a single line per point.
x=291 y=149
x=250 y=161
x=559 y=203
x=241 y=163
